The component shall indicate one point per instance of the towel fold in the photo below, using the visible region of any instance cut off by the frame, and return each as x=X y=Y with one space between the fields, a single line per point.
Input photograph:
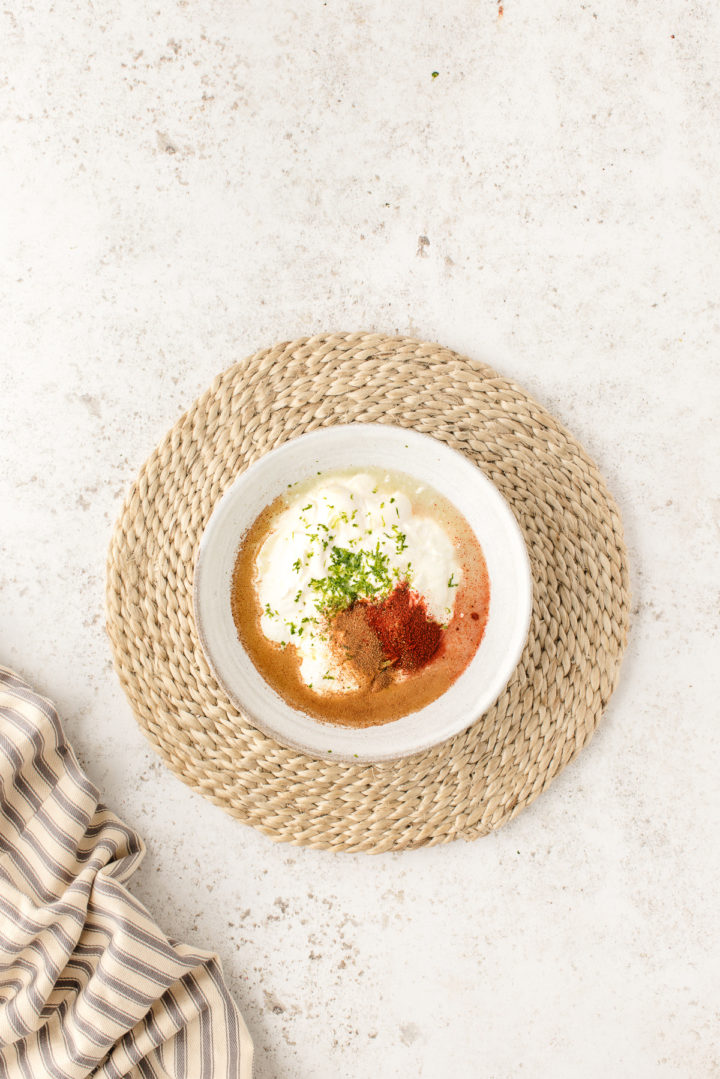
x=89 y=985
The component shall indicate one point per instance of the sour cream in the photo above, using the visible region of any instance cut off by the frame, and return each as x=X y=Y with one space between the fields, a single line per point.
x=347 y=530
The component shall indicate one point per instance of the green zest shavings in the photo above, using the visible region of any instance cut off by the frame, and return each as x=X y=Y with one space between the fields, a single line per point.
x=352 y=575
x=400 y=540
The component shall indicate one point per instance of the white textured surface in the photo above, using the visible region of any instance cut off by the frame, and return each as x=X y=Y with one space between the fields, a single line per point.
x=182 y=186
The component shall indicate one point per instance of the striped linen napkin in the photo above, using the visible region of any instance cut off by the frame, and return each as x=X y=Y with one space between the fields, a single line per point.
x=89 y=985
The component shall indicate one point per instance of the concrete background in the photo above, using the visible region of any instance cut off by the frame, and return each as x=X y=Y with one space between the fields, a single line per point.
x=182 y=186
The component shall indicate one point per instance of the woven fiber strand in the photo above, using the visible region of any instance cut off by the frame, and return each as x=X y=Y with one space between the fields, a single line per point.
x=484 y=776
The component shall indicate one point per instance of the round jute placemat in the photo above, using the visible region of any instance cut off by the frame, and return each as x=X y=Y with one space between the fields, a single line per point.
x=568 y=670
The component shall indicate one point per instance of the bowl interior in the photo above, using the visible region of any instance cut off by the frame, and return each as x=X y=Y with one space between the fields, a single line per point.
x=429 y=461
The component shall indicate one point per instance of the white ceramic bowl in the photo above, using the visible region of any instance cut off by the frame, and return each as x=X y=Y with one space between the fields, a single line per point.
x=365 y=446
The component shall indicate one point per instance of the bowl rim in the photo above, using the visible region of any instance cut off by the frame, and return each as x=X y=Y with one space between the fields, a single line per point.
x=493 y=688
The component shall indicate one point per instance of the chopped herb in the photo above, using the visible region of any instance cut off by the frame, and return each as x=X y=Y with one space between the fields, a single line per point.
x=352 y=574
x=308 y=507
x=296 y=565
x=435 y=74
x=400 y=540
x=452 y=583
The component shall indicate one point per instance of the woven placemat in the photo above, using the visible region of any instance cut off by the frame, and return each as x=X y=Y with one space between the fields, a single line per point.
x=568 y=670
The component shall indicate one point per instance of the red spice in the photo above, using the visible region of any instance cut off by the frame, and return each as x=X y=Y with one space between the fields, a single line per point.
x=408 y=637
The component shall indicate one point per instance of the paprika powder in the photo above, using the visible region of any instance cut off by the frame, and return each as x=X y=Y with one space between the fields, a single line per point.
x=408 y=637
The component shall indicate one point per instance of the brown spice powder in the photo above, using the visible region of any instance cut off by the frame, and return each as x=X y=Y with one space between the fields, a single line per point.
x=355 y=642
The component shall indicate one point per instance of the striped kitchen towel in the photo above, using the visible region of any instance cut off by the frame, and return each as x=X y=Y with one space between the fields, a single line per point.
x=89 y=985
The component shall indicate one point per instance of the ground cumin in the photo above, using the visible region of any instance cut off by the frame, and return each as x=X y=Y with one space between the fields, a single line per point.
x=356 y=643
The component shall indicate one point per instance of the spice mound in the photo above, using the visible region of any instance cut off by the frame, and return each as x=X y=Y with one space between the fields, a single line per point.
x=386 y=638
x=360 y=596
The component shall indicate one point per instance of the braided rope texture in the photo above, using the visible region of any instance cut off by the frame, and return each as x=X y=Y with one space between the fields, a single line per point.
x=482 y=777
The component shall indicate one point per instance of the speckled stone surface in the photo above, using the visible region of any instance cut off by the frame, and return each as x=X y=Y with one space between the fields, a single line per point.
x=183 y=186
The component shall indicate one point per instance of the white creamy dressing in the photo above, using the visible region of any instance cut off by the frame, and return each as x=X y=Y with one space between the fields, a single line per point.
x=353 y=513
